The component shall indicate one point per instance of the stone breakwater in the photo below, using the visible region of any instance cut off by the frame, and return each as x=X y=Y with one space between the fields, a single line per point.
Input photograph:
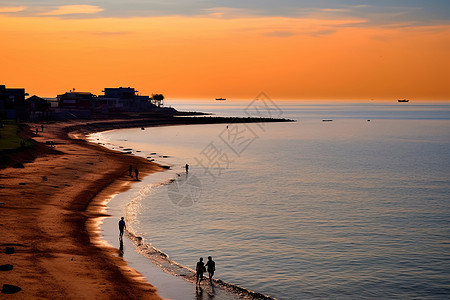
x=96 y=126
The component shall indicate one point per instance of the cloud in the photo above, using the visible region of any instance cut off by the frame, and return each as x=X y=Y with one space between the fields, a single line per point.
x=224 y=12
x=324 y=32
x=335 y=9
x=12 y=9
x=377 y=13
x=280 y=33
x=73 y=9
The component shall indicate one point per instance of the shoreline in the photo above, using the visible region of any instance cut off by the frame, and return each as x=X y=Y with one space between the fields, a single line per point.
x=222 y=290
x=51 y=209
x=168 y=284
x=149 y=255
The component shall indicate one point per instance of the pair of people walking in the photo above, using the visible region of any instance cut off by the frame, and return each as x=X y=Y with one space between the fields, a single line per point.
x=201 y=268
x=136 y=172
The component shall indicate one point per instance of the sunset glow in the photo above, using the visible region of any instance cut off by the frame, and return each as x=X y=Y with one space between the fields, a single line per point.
x=315 y=56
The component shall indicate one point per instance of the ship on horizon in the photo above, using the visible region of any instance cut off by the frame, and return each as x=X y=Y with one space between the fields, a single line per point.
x=403 y=100
x=221 y=99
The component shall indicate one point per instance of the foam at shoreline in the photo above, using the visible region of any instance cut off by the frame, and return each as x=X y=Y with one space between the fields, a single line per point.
x=165 y=263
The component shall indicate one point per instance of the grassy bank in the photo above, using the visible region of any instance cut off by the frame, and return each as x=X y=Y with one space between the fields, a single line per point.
x=10 y=138
x=14 y=141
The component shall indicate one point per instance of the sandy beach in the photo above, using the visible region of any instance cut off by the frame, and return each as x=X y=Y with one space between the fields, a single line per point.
x=49 y=216
x=52 y=207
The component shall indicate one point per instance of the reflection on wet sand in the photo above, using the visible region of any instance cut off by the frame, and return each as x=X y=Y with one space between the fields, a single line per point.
x=205 y=293
x=121 y=246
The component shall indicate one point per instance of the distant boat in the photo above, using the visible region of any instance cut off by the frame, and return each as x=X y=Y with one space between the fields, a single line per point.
x=221 y=99
x=403 y=100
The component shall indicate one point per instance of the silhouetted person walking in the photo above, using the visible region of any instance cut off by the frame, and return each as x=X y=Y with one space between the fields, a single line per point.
x=42 y=127
x=136 y=172
x=200 y=268
x=122 y=227
x=211 y=266
x=187 y=168
x=130 y=170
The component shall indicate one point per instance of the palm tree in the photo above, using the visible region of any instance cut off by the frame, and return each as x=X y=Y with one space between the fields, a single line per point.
x=157 y=99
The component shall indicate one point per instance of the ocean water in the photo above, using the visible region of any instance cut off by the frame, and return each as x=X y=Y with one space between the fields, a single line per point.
x=342 y=209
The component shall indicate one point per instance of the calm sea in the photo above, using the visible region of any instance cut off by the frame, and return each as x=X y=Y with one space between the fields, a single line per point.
x=345 y=208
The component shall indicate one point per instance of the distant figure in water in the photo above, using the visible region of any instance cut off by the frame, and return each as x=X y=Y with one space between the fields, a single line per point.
x=200 y=268
x=130 y=170
x=37 y=130
x=122 y=227
x=187 y=168
x=136 y=172
x=211 y=265
x=42 y=127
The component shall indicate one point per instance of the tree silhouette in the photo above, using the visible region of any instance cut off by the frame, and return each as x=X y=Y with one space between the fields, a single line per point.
x=158 y=97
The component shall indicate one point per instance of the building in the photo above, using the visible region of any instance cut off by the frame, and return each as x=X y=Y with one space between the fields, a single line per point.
x=39 y=108
x=79 y=100
x=37 y=103
x=124 y=99
x=120 y=93
x=12 y=103
x=12 y=95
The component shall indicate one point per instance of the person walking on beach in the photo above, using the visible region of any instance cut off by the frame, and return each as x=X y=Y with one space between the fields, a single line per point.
x=187 y=168
x=136 y=172
x=211 y=266
x=122 y=227
x=130 y=170
x=200 y=268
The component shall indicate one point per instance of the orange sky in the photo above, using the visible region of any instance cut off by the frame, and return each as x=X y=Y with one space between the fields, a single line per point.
x=209 y=56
